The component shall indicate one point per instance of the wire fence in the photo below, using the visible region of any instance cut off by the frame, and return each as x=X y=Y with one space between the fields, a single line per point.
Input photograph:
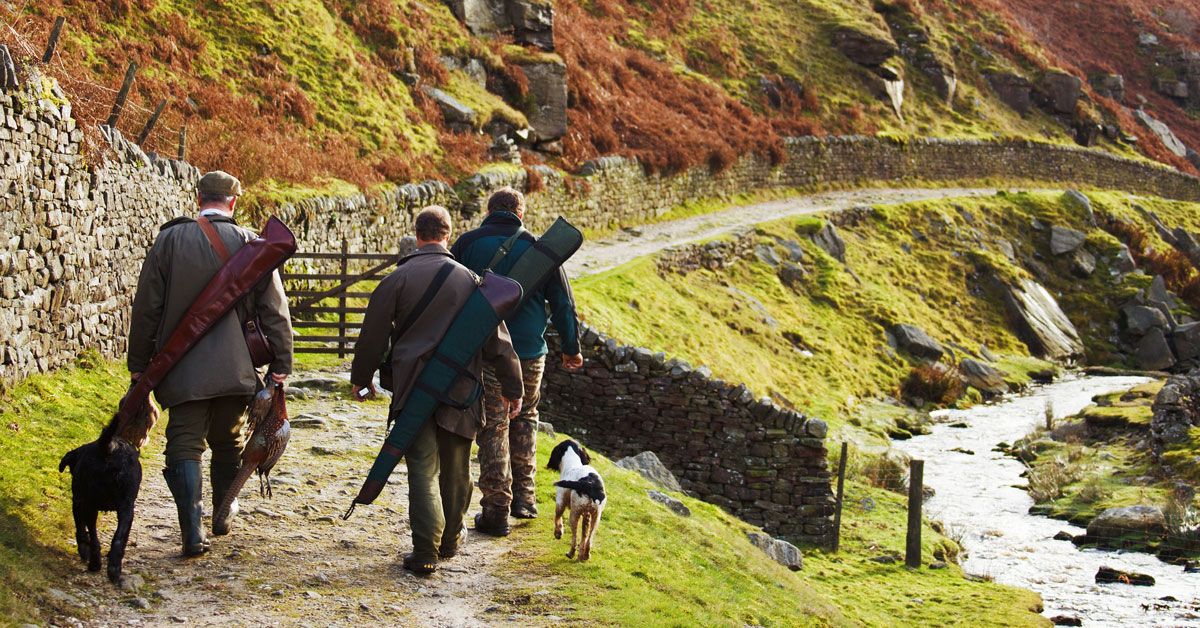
x=33 y=44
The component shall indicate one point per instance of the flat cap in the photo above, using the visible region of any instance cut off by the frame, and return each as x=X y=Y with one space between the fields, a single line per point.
x=218 y=183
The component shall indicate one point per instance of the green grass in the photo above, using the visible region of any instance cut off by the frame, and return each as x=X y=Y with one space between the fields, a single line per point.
x=921 y=263
x=43 y=417
x=651 y=567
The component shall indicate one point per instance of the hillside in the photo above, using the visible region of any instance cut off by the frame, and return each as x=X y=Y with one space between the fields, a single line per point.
x=312 y=95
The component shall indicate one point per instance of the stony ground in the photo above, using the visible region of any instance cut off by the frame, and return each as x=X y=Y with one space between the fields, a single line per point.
x=292 y=560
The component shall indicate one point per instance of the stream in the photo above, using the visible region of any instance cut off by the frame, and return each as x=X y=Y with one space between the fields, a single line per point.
x=976 y=497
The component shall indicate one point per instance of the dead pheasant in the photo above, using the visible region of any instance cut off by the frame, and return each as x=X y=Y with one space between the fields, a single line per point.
x=269 y=433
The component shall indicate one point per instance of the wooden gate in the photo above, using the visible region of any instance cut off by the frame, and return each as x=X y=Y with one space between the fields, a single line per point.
x=326 y=312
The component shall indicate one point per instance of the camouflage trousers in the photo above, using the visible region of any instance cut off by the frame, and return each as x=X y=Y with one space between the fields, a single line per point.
x=507 y=450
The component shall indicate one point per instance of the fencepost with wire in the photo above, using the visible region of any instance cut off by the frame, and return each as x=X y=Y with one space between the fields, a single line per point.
x=53 y=43
x=122 y=95
x=151 y=122
x=912 y=546
x=837 y=511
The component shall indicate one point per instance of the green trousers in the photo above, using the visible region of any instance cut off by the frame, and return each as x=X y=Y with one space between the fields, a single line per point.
x=216 y=423
x=439 y=489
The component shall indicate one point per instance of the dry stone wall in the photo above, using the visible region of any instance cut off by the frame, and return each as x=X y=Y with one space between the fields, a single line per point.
x=763 y=463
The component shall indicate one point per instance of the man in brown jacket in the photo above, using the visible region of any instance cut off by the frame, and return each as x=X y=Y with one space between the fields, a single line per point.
x=439 y=471
x=207 y=392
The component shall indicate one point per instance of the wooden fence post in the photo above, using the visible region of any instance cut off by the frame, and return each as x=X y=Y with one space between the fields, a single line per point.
x=342 y=302
x=837 y=512
x=122 y=95
x=182 y=142
x=54 y=33
x=912 y=547
x=146 y=130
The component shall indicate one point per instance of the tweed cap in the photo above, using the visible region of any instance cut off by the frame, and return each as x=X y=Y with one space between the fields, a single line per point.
x=218 y=183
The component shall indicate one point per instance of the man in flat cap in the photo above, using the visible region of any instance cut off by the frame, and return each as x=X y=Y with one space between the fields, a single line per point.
x=207 y=391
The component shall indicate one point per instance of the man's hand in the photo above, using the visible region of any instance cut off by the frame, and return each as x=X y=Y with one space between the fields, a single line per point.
x=279 y=378
x=362 y=393
x=572 y=362
x=513 y=407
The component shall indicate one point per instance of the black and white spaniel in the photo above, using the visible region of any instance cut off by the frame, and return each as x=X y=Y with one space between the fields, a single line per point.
x=581 y=490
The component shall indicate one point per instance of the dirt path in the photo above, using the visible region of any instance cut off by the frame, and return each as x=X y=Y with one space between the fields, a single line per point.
x=600 y=255
x=292 y=560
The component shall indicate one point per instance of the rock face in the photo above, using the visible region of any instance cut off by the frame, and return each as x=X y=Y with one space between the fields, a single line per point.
x=982 y=377
x=919 y=49
x=1058 y=92
x=1041 y=323
x=650 y=467
x=864 y=48
x=1109 y=85
x=1176 y=410
x=533 y=22
x=1140 y=319
x=672 y=504
x=1164 y=133
x=1065 y=240
x=915 y=341
x=1185 y=341
x=830 y=241
x=1012 y=89
x=548 y=92
x=1114 y=523
x=781 y=552
x=1153 y=352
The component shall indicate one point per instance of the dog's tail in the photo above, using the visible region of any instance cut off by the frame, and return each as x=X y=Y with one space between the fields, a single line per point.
x=68 y=460
x=590 y=486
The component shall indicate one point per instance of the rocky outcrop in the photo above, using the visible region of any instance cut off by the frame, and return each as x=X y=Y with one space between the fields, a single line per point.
x=458 y=117
x=1065 y=240
x=1012 y=89
x=1176 y=410
x=1109 y=85
x=673 y=504
x=865 y=48
x=830 y=241
x=713 y=255
x=1041 y=323
x=530 y=21
x=650 y=467
x=547 y=112
x=916 y=342
x=779 y=551
x=1163 y=132
x=918 y=46
x=1058 y=92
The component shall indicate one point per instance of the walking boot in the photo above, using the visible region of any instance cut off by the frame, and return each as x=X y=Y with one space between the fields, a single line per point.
x=223 y=473
x=184 y=480
x=524 y=511
x=492 y=523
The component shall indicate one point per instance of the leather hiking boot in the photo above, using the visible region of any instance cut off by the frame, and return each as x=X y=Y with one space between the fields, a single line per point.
x=523 y=511
x=223 y=474
x=185 y=482
x=491 y=525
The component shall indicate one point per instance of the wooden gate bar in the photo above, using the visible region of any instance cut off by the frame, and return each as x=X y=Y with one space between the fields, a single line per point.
x=338 y=336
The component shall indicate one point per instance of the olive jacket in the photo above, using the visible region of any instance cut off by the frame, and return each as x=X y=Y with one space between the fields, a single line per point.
x=176 y=269
x=390 y=306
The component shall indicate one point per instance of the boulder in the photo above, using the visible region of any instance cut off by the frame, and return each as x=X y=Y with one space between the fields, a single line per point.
x=1153 y=352
x=1108 y=575
x=650 y=467
x=863 y=48
x=1040 y=322
x=1065 y=240
x=1140 y=319
x=532 y=22
x=1109 y=85
x=915 y=341
x=1175 y=411
x=781 y=552
x=982 y=377
x=1083 y=263
x=453 y=111
x=1158 y=292
x=1172 y=88
x=830 y=241
x=547 y=112
x=1185 y=341
x=1114 y=523
x=481 y=17
x=1163 y=132
x=1080 y=201
x=1012 y=90
x=1123 y=262
x=672 y=504
x=792 y=275
x=1058 y=92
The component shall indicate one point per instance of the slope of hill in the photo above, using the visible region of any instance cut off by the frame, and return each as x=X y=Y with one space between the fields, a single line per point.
x=289 y=93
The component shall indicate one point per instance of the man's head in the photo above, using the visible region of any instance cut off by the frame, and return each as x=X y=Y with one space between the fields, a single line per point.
x=507 y=199
x=218 y=190
x=432 y=226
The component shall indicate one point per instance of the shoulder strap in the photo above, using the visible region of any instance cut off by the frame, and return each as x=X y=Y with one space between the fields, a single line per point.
x=426 y=298
x=214 y=240
x=502 y=252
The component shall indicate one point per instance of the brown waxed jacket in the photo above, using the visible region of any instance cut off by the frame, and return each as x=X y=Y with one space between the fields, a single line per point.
x=391 y=304
x=178 y=267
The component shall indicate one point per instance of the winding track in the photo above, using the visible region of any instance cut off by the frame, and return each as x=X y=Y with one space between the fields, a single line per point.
x=605 y=254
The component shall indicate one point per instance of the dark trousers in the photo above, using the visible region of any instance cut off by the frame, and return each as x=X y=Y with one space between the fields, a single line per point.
x=196 y=425
x=439 y=489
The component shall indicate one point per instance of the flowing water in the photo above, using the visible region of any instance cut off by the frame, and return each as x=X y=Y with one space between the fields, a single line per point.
x=976 y=496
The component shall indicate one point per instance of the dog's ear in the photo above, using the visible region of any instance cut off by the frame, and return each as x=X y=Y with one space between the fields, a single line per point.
x=555 y=461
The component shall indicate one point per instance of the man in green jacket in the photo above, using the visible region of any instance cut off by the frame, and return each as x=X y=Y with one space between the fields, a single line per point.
x=207 y=392
x=507 y=450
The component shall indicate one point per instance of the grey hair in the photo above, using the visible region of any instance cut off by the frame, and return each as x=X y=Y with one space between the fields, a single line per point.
x=215 y=198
